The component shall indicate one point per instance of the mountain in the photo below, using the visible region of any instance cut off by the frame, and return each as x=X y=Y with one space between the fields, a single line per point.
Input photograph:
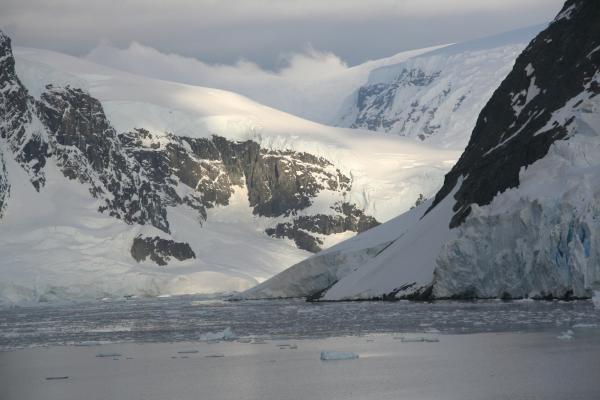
x=113 y=184
x=435 y=97
x=518 y=215
x=311 y=85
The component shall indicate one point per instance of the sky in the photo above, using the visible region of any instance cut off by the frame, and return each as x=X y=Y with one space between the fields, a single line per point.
x=265 y=32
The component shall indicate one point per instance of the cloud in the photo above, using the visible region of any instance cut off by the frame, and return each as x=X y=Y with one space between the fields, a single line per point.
x=259 y=30
x=311 y=84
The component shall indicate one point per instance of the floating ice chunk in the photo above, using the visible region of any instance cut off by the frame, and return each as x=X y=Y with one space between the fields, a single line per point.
x=86 y=343
x=55 y=378
x=567 y=335
x=225 y=334
x=596 y=299
x=338 y=355
x=187 y=352
x=216 y=355
x=583 y=326
x=418 y=339
x=108 y=355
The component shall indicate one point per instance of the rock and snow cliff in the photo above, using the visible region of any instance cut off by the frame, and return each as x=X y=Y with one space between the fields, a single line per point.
x=517 y=216
x=115 y=184
x=436 y=96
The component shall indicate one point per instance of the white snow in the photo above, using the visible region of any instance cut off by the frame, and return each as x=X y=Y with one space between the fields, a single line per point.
x=443 y=111
x=312 y=85
x=375 y=263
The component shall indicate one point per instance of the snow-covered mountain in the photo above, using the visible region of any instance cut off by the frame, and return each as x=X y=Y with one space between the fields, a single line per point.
x=114 y=184
x=436 y=96
x=517 y=216
x=311 y=85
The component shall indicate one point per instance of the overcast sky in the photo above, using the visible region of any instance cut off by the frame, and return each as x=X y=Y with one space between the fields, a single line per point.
x=264 y=31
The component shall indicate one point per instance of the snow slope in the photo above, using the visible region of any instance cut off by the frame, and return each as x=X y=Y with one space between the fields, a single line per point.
x=518 y=214
x=311 y=85
x=55 y=245
x=436 y=96
x=388 y=173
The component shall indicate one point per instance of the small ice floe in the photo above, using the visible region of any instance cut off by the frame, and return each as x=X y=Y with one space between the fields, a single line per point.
x=585 y=326
x=88 y=343
x=566 y=335
x=226 y=334
x=287 y=346
x=56 y=378
x=258 y=341
x=244 y=340
x=596 y=299
x=187 y=352
x=107 y=355
x=216 y=355
x=417 y=339
x=338 y=355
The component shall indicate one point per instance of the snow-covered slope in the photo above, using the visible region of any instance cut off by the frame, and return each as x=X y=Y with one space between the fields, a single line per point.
x=518 y=215
x=436 y=96
x=140 y=186
x=312 y=85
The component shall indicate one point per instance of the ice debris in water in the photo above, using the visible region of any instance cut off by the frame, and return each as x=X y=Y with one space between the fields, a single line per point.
x=418 y=339
x=187 y=352
x=87 y=343
x=338 y=355
x=596 y=299
x=225 y=334
x=567 y=335
x=108 y=355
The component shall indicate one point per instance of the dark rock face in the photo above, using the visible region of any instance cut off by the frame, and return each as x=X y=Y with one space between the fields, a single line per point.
x=23 y=138
x=138 y=175
x=160 y=250
x=348 y=218
x=4 y=186
x=374 y=102
x=86 y=148
x=515 y=128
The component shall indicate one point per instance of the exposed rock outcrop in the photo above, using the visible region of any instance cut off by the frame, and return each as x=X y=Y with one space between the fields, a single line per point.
x=160 y=250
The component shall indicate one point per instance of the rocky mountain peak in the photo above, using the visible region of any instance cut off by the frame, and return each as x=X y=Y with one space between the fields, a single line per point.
x=521 y=121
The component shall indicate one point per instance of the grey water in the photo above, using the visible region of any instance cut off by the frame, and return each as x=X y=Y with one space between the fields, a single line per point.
x=187 y=318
